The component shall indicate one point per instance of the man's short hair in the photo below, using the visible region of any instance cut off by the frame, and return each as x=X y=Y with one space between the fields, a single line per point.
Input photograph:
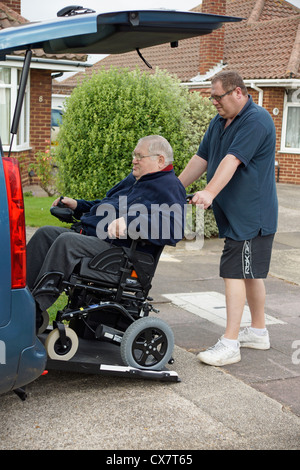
x=230 y=79
x=159 y=145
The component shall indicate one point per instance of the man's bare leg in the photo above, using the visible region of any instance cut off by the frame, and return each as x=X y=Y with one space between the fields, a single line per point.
x=256 y=296
x=235 y=292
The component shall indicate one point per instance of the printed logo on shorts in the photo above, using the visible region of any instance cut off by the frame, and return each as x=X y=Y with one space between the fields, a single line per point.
x=247 y=270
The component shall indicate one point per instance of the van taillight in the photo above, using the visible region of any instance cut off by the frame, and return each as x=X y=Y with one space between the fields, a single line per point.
x=17 y=222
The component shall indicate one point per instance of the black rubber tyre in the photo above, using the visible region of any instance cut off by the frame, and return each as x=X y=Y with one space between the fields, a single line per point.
x=147 y=343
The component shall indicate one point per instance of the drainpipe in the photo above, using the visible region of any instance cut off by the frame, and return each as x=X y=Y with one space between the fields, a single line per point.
x=260 y=93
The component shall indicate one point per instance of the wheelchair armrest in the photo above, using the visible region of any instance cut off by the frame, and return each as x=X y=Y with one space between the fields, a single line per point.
x=64 y=214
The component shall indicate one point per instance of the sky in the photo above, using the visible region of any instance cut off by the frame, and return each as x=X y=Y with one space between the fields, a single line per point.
x=41 y=10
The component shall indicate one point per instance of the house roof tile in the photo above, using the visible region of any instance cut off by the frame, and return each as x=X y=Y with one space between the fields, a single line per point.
x=271 y=47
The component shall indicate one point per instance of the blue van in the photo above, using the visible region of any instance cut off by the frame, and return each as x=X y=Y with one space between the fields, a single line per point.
x=75 y=30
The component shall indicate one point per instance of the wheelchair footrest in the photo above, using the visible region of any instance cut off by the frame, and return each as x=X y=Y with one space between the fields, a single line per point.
x=50 y=283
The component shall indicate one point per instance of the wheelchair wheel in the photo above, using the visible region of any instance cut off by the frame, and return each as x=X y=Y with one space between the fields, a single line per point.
x=55 y=349
x=147 y=343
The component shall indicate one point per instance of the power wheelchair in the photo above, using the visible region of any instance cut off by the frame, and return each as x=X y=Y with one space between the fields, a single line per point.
x=107 y=311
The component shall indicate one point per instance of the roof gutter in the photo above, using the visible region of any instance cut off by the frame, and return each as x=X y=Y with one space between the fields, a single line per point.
x=259 y=83
x=260 y=93
x=55 y=63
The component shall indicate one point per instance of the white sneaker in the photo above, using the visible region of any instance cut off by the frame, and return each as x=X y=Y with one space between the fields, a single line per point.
x=248 y=339
x=220 y=354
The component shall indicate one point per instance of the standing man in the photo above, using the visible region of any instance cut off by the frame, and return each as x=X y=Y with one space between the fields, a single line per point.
x=238 y=153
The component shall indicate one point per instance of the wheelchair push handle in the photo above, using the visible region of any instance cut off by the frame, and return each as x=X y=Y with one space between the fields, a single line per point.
x=189 y=197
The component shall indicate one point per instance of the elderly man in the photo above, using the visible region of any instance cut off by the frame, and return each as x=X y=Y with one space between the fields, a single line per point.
x=238 y=153
x=148 y=203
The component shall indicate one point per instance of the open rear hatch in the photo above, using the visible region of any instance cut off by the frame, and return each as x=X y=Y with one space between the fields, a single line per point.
x=88 y=32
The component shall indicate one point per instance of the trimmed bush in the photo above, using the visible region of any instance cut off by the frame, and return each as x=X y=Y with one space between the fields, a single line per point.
x=104 y=119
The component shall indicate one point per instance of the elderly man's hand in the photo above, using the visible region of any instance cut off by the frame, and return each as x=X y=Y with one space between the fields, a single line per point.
x=67 y=201
x=117 y=228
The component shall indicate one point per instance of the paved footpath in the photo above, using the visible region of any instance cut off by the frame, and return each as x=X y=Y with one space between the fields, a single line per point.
x=198 y=316
x=250 y=405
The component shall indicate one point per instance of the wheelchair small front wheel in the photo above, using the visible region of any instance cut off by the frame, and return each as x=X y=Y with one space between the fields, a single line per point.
x=56 y=350
x=147 y=343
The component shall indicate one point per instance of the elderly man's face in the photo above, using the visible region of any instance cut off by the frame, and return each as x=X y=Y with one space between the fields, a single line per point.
x=144 y=165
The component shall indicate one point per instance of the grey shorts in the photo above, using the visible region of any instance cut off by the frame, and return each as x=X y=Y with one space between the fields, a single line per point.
x=247 y=259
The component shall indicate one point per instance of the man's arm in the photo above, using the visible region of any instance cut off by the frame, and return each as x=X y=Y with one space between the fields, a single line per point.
x=222 y=176
x=194 y=169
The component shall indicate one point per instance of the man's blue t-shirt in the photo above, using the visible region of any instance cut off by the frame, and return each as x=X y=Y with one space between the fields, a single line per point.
x=248 y=204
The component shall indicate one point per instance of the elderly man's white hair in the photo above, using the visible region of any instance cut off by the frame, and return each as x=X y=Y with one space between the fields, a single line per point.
x=158 y=145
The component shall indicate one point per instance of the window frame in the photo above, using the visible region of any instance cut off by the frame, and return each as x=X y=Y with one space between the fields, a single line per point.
x=21 y=140
x=287 y=105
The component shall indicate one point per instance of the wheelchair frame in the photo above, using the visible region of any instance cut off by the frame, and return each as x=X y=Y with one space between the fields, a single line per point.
x=133 y=344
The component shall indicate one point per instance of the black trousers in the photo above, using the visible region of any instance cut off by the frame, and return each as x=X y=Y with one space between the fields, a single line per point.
x=57 y=249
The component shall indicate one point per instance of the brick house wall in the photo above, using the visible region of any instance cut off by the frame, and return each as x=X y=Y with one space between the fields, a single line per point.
x=40 y=121
x=212 y=45
x=14 y=5
x=40 y=108
x=288 y=163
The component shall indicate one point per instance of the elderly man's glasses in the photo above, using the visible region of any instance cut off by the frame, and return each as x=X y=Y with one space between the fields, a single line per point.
x=139 y=157
x=218 y=98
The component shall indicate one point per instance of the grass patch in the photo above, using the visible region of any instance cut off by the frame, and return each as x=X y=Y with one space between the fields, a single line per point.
x=37 y=212
x=59 y=304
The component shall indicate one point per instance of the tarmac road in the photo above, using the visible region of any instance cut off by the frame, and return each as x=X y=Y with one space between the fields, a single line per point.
x=250 y=405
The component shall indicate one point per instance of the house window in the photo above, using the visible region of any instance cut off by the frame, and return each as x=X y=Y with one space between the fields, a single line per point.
x=291 y=122
x=9 y=85
x=5 y=104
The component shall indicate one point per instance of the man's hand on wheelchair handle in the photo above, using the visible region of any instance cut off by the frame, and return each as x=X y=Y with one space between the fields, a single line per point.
x=203 y=197
x=117 y=228
x=67 y=201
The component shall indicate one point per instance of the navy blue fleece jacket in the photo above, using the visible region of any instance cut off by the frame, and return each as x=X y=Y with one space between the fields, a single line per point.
x=153 y=206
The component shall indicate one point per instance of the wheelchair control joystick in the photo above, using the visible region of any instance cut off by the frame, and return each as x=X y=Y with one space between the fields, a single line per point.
x=60 y=203
x=63 y=213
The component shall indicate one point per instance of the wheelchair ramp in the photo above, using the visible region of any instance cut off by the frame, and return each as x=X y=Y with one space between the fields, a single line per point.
x=95 y=357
